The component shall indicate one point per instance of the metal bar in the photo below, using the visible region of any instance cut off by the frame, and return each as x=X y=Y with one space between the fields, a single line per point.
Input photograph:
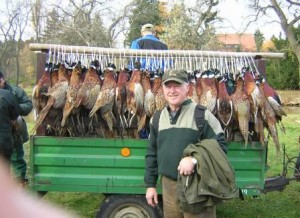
x=150 y=53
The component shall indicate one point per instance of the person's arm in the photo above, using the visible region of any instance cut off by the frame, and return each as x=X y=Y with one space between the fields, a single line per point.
x=151 y=169
x=24 y=102
x=15 y=108
x=135 y=45
x=213 y=130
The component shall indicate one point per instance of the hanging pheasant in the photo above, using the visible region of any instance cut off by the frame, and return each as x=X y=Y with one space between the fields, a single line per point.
x=224 y=103
x=105 y=99
x=274 y=100
x=56 y=94
x=241 y=108
x=120 y=100
x=74 y=86
x=54 y=75
x=135 y=99
x=39 y=97
x=90 y=88
x=208 y=97
x=160 y=100
x=149 y=100
x=88 y=92
x=198 y=84
x=271 y=124
x=268 y=116
x=253 y=94
x=192 y=93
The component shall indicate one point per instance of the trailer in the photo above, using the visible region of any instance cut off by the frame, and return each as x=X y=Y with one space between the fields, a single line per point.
x=115 y=166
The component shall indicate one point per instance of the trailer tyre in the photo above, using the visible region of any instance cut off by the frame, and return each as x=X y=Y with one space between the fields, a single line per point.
x=41 y=193
x=127 y=206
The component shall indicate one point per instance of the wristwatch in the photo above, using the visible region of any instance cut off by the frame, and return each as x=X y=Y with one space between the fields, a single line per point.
x=194 y=161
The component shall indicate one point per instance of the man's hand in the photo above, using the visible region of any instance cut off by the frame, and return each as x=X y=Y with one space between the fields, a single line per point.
x=186 y=166
x=151 y=196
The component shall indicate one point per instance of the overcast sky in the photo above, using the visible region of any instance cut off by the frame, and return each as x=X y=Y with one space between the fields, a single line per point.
x=234 y=13
x=237 y=12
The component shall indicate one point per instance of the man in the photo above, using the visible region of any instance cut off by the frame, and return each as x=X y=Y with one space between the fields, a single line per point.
x=9 y=111
x=17 y=159
x=177 y=129
x=148 y=39
x=151 y=42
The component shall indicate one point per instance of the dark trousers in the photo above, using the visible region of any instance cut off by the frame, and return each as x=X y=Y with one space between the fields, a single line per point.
x=18 y=162
x=6 y=146
x=171 y=205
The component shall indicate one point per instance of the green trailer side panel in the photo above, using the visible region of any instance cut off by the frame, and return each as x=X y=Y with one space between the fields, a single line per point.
x=87 y=164
x=96 y=165
x=249 y=164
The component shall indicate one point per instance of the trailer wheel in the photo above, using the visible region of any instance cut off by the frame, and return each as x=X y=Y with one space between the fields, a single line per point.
x=127 y=206
x=41 y=193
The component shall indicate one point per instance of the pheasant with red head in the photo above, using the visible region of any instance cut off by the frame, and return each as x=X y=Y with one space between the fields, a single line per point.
x=39 y=93
x=57 y=95
x=135 y=100
x=273 y=99
x=224 y=103
x=241 y=108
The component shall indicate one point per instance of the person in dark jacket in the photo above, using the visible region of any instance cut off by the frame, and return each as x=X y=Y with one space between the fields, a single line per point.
x=9 y=111
x=176 y=130
x=17 y=158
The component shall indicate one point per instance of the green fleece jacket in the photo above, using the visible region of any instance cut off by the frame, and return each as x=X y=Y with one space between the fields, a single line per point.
x=213 y=180
x=173 y=136
x=25 y=108
x=9 y=110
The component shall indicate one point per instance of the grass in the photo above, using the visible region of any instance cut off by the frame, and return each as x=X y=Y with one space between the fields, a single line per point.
x=274 y=204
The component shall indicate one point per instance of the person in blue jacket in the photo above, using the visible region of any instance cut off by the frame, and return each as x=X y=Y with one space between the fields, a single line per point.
x=148 y=39
x=151 y=42
x=153 y=65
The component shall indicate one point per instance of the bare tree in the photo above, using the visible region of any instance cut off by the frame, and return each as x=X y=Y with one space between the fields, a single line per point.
x=7 y=32
x=37 y=17
x=20 y=24
x=287 y=15
x=192 y=27
x=119 y=21
x=13 y=28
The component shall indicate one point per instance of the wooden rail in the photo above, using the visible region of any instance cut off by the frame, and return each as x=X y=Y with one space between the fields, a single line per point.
x=150 y=53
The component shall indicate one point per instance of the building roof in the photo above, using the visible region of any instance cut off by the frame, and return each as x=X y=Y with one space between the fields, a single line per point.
x=245 y=41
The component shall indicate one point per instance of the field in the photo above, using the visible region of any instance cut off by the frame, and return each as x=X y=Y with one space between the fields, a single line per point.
x=290 y=97
x=274 y=204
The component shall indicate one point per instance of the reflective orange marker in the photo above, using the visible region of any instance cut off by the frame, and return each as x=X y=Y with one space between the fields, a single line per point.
x=125 y=152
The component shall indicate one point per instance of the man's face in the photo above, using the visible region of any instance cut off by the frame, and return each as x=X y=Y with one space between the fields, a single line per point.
x=2 y=81
x=175 y=93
